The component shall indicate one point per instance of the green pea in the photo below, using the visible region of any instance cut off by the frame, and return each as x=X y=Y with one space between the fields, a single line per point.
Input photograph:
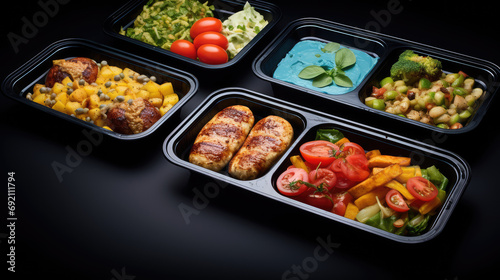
x=386 y=80
x=390 y=94
x=378 y=104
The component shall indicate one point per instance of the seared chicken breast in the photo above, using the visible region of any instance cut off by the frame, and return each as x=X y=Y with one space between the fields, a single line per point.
x=267 y=141
x=221 y=137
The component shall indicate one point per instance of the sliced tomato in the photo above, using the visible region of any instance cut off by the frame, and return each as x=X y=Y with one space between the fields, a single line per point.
x=290 y=175
x=340 y=201
x=343 y=182
x=358 y=160
x=319 y=152
x=337 y=165
x=421 y=188
x=354 y=172
x=323 y=175
x=351 y=148
x=396 y=201
x=321 y=200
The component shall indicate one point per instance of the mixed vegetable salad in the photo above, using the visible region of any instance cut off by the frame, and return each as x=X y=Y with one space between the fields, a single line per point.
x=189 y=28
x=383 y=191
x=418 y=89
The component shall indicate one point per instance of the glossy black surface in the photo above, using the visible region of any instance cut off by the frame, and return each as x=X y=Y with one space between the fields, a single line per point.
x=117 y=214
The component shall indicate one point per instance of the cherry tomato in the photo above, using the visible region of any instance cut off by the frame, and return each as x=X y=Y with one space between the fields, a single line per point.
x=184 y=48
x=204 y=25
x=421 y=188
x=351 y=148
x=396 y=201
x=320 y=200
x=340 y=201
x=290 y=175
x=323 y=175
x=319 y=151
x=211 y=37
x=212 y=54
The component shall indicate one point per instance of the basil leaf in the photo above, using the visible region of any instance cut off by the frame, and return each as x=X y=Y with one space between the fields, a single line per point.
x=331 y=135
x=344 y=58
x=322 y=80
x=311 y=72
x=342 y=80
x=331 y=47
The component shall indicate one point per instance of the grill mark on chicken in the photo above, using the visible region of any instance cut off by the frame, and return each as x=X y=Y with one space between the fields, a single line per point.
x=211 y=151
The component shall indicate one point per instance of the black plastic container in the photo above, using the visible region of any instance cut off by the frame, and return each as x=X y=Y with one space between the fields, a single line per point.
x=305 y=122
x=21 y=81
x=387 y=49
x=126 y=15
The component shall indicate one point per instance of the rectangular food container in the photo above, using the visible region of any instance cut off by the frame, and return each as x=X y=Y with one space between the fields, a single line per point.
x=21 y=81
x=387 y=49
x=305 y=122
x=126 y=15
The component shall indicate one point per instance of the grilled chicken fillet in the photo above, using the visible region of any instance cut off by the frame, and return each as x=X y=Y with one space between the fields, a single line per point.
x=221 y=137
x=267 y=141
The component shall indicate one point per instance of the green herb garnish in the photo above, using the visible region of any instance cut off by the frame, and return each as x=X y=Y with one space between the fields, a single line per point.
x=344 y=58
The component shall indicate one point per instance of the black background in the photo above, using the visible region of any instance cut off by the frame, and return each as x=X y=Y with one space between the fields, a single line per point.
x=116 y=215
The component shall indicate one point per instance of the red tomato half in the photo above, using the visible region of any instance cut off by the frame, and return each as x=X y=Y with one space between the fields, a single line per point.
x=212 y=54
x=320 y=200
x=323 y=175
x=290 y=175
x=396 y=201
x=204 y=25
x=319 y=151
x=184 y=48
x=421 y=188
x=211 y=37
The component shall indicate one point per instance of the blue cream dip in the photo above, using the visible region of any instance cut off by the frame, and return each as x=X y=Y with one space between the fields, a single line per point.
x=308 y=52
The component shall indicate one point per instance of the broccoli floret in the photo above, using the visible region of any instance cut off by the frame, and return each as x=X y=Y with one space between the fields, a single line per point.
x=410 y=67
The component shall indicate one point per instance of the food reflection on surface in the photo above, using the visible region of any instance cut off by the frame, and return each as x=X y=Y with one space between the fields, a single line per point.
x=310 y=52
x=104 y=95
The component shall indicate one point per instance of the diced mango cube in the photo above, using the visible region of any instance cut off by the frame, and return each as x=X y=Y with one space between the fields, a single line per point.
x=62 y=97
x=171 y=99
x=78 y=95
x=72 y=106
x=166 y=88
x=59 y=106
x=165 y=108
x=58 y=88
x=40 y=99
x=66 y=81
x=94 y=114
